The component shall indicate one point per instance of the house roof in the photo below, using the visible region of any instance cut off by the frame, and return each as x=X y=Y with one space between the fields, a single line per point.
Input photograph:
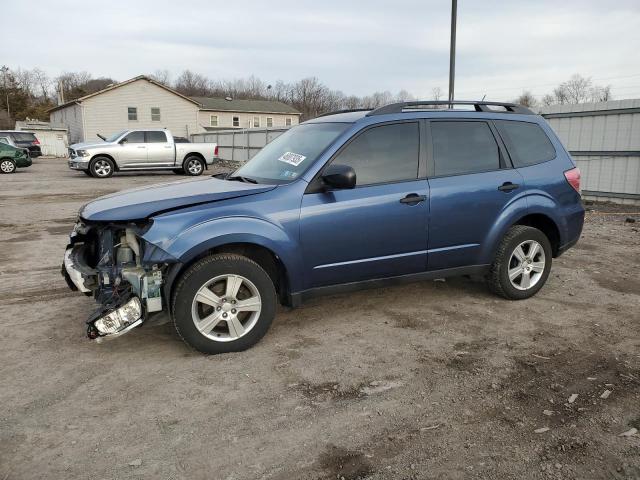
x=253 y=106
x=122 y=84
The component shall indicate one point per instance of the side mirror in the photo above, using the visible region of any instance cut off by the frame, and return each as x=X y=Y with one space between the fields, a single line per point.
x=339 y=176
x=123 y=141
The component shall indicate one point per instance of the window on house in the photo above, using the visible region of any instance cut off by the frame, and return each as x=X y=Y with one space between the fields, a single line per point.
x=287 y=121
x=463 y=147
x=155 y=114
x=256 y=122
x=132 y=112
x=213 y=120
x=269 y=121
x=236 y=121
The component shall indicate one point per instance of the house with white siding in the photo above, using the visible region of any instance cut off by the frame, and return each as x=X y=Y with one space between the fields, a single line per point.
x=141 y=102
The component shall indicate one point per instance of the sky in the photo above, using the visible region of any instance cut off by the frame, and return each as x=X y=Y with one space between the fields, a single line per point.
x=356 y=46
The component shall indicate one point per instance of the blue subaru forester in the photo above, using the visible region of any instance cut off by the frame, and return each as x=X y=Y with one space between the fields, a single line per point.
x=409 y=191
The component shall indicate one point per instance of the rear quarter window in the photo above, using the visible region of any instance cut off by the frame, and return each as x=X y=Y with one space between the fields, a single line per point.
x=527 y=143
x=23 y=137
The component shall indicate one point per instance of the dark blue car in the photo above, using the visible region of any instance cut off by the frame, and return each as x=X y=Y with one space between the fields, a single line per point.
x=409 y=191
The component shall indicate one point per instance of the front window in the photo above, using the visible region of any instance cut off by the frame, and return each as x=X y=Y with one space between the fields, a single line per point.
x=287 y=121
x=256 y=122
x=213 y=120
x=289 y=155
x=132 y=113
x=155 y=114
x=269 y=121
x=236 y=121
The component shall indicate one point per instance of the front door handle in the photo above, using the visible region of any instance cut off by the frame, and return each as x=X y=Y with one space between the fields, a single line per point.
x=508 y=186
x=413 y=199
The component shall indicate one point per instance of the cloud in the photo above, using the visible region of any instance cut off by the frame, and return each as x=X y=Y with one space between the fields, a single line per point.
x=355 y=46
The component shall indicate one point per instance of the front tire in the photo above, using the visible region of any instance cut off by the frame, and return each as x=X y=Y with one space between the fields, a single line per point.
x=193 y=166
x=223 y=303
x=101 y=167
x=522 y=263
x=7 y=165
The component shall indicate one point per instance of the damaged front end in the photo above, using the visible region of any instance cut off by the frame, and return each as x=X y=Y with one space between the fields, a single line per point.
x=112 y=263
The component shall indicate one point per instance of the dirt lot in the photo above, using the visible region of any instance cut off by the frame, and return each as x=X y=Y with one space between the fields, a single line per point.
x=431 y=380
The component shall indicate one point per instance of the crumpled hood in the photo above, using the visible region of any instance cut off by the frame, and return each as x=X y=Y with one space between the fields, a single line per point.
x=141 y=203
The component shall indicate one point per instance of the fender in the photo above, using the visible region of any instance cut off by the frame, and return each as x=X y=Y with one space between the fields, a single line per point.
x=209 y=234
x=540 y=202
x=513 y=211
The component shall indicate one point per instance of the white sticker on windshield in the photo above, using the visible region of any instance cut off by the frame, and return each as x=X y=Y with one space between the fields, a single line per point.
x=291 y=158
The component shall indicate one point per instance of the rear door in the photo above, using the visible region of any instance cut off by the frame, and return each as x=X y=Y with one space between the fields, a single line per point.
x=160 y=152
x=471 y=183
x=379 y=228
x=133 y=150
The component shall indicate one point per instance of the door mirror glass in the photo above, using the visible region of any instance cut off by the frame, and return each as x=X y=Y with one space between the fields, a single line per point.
x=339 y=176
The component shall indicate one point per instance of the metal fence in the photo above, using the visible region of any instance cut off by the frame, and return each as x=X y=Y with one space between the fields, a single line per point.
x=604 y=140
x=239 y=145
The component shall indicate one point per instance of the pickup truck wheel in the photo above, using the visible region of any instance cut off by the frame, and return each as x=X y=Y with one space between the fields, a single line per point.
x=522 y=263
x=193 y=166
x=223 y=303
x=101 y=167
x=7 y=165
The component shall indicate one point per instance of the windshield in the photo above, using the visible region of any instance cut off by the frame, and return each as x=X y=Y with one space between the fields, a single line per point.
x=113 y=138
x=288 y=156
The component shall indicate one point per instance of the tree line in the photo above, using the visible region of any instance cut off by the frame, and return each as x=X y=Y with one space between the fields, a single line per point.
x=31 y=93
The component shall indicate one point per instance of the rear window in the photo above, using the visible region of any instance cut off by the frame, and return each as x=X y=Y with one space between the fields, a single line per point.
x=23 y=137
x=156 y=137
x=527 y=143
x=463 y=147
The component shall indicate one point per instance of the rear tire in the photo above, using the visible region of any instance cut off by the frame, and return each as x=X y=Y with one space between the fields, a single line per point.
x=101 y=167
x=7 y=166
x=193 y=166
x=223 y=303
x=522 y=263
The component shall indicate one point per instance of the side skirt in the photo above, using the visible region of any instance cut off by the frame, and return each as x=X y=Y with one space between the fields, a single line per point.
x=299 y=297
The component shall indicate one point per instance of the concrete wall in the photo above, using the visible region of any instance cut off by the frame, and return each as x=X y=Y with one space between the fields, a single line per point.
x=604 y=140
x=225 y=119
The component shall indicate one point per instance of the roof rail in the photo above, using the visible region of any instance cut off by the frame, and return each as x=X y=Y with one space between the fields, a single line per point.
x=479 y=107
x=347 y=110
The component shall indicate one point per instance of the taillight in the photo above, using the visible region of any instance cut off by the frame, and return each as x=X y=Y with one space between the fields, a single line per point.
x=215 y=151
x=573 y=177
x=36 y=142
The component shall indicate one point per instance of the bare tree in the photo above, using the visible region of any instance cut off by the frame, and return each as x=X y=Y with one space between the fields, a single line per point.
x=161 y=76
x=193 y=84
x=436 y=93
x=526 y=99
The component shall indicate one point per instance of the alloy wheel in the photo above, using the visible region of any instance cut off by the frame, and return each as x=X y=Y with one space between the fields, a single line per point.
x=226 y=308
x=194 y=166
x=102 y=168
x=526 y=265
x=7 y=166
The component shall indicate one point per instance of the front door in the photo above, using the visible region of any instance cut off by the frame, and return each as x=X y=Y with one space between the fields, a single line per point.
x=160 y=152
x=133 y=150
x=471 y=185
x=377 y=229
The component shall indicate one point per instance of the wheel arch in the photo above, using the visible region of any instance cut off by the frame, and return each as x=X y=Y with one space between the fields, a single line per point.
x=546 y=225
x=106 y=155
x=194 y=154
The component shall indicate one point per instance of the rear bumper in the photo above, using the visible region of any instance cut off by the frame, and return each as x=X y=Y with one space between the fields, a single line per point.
x=574 y=225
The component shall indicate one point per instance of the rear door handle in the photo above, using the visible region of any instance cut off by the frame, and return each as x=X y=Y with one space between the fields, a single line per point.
x=508 y=186
x=413 y=199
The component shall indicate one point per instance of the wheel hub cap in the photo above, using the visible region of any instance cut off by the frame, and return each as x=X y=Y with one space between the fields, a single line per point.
x=226 y=308
x=526 y=265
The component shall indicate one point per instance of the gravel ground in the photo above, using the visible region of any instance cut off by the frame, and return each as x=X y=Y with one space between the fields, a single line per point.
x=430 y=380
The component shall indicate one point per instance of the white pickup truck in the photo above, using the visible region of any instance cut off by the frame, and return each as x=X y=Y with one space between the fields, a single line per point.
x=148 y=149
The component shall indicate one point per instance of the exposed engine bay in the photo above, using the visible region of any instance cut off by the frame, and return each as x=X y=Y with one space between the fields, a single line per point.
x=106 y=261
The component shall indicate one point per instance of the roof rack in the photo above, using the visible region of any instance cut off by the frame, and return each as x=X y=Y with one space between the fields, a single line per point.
x=347 y=110
x=478 y=106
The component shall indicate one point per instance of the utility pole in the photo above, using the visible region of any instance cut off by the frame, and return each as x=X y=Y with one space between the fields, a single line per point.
x=4 y=70
x=452 y=51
